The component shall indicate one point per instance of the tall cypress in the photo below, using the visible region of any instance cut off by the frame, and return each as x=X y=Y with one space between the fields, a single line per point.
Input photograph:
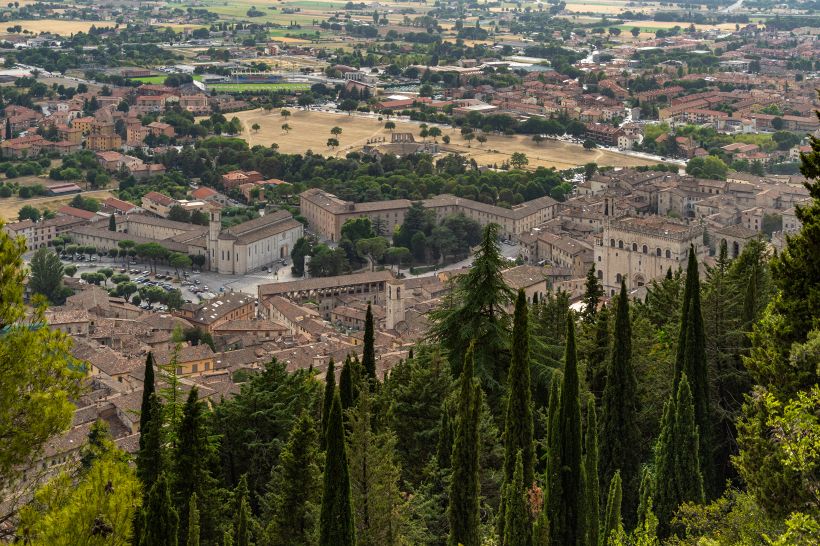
x=566 y=496
x=645 y=502
x=193 y=459
x=148 y=388
x=518 y=427
x=465 y=487
x=112 y=224
x=348 y=383
x=593 y=292
x=620 y=436
x=691 y=360
x=149 y=457
x=677 y=469
x=160 y=519
x=336 y=521
x=327 y=404
x=243 y=537
x=517 y=526
x=369 y=350
x=612 y=521
x=193 y=523
x=598 y=360
x=593 y=493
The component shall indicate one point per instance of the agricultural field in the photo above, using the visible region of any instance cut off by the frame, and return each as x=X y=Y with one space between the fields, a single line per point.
x=10 y=206
x=58 y=26
x=240 y=87
x=310 y=131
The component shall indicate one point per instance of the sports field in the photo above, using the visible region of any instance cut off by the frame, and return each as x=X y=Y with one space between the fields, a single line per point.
x=159 y=80
x=310 y=131
x=240 y=87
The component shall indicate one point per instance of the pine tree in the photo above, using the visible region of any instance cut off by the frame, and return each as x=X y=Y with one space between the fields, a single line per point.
x=517 y=526
x=336 y=526
x=369 y=350
x=691 y=360
x=593 y=493
x=612 y=521
x=160 y=520
x=593 y=292
x=678 y=477
x=148 y=388
x=149 y=457
x=330 y=392
x=518 y=429
x=294 y=492
x=193 y=522
x=465 y=487
x=566 y=495
x=620 y=436
x=194 y=458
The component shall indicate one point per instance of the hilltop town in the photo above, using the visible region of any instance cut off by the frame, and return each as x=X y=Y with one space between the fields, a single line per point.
x=212 y=188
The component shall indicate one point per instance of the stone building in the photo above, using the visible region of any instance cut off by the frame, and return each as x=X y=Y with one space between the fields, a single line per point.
x=642 y=249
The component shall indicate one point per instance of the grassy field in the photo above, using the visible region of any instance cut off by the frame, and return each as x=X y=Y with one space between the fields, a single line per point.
x=58 y=26
x=240 y=87
x=158 y=80
x=10 y=206
x=310 y=131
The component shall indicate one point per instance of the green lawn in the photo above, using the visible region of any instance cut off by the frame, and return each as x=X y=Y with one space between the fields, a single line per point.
x=240 y=87
x=158 y=80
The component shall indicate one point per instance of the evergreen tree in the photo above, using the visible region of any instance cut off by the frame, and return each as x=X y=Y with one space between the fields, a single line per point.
x=336 y=527
x=593 y=493
x=243 y=531
x=517 y=526
x=369 y=350
x=475 y=312
x=160 y=520
x=294 y=492
x=678 y=477
x=612 y=521
x=148 y=389
x=193 y=522
x=518 y=429
x=194 y=458
x=112 y=223
x=598 y=359
x=566 y=494
x=645 y=500
x=9 y=133
x=330 y=392
x=691 y=360
x=149 y=457
x=347 y=384
x=620 y=436
x=593 y=292
x=444 y=446
x=463 y=509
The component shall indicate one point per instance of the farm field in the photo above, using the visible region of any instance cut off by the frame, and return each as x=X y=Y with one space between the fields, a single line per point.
x=240 y=87
x=58 y=26
x=9 y=207
x=310 y=131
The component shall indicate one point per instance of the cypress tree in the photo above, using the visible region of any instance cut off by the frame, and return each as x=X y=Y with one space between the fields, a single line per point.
x=465 y=487
x=678 y=477
x=369 y=350
x=148 y=388
x=593 y=292
x=517 y=526
x=691 y=360
x=112 y=226
x=612 y=521
x=243 y=515
x=336 y=521
x=160 y=520
x=349 y=382
x=330 y=392
x=598 y=360
x=444 y=448
x=620 y=436
x=193 y=522
x=518 y=428
x=149 y=457
x=644 y=498
x=567 y=498
x=9 y=133
x=593 y=493
x=293 y=495
x=194 y=457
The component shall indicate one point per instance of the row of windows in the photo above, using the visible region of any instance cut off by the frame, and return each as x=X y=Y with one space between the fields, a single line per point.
x=644 y=248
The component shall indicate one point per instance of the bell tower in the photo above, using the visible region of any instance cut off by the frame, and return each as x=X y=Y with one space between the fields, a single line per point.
x=395 y=304
x=214 y=227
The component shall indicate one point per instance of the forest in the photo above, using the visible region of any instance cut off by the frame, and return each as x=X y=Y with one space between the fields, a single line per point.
x=688 y=418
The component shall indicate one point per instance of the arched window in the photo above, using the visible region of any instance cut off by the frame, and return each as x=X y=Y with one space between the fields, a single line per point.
x=620 y=244
x=658 y=252
x=618 y=278
x=645 y=249
x=600 y=274
x=668 y=253
x=612 y=242
x=634 y=247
